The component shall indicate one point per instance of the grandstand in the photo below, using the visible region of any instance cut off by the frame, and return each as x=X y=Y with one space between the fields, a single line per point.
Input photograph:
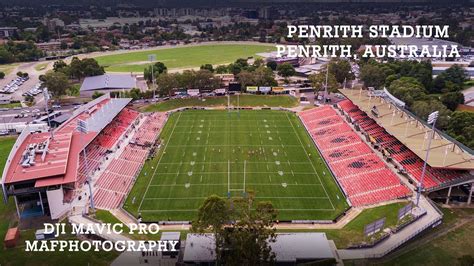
x=401 y=138
x=46 y=171
x=114 y=183
x=363 y=176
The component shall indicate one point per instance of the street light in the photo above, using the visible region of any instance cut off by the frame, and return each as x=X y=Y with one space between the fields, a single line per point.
x=82 y=127
x=431 y=121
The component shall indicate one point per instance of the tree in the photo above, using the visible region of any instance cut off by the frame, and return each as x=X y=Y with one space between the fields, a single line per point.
x=90 y=67
x=342 y=70
x=204 y=80
x=423 y=108
x=258 y=62
x=272 y=65
x=318 y=81
x=166 y=82
x=59 y=65
x=222 y=69
x=75 y=68
x=452 y=79
x=242 y=234
x=461 y=127
x=246 y=78
x=2 y=75
x=19 y=74
x=372 y=76
x=158 y=68
x=408 y=90
x=57 y=83
x=6 y=57
x=29 y=100
x=263 y=76
x=96 y=95
x=286 y=70
x=459 y=121
x=208 y=67
x=452 y=99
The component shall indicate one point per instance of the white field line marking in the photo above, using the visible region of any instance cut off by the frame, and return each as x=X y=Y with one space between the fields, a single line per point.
x=225 y=132
x=225 y=184
x=231 y=126
x=195 y=198
x=245 y=163
x=195 y=210
x=156 y=166
x=210 y=173
x=205 y=162
x=309 y=159
x=228 y=176
x=233 y=145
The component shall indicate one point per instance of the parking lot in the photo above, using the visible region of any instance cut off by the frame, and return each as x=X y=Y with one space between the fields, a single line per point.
x=13 y=85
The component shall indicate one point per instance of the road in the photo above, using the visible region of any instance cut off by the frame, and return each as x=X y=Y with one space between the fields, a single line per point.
x=11 y=115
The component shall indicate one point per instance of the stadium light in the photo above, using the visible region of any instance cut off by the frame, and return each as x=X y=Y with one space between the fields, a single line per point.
x=82 y=128
x=326 y=85
x=431 y=121
x=46 y=100
x=152 y=58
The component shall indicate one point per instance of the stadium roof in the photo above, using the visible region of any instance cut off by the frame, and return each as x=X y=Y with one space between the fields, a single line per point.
x=293 y=247
x=445 y=152
x=288 y=247
x=60 y=162
x=109 y=81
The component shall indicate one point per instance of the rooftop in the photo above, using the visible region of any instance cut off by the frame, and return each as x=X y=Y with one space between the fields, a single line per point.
x=288 y=247
x=53 y=159
x=109 y=81
x=292 y=247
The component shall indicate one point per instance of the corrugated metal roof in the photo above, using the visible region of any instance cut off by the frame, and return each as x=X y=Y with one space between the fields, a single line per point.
x=109 y=81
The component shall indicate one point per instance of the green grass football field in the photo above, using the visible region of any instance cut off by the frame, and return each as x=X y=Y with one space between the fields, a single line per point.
x=181 y=57
x=227 y=154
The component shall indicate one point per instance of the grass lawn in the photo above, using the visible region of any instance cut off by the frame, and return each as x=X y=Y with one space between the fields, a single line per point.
x=7 y=68
x=41 y=66
x=10 y=105
x=448 y=249
x=353 y=231
x=245 y=100
x=7 y=211
x=181 y=57
x=212 y=152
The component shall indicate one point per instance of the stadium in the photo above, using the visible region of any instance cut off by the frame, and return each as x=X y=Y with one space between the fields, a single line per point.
x=318 y=166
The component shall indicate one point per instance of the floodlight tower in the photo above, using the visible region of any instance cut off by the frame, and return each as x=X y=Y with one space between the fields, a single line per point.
x=152 y=59
x=82 y=127
x=431 y=121
x=326 y=85
x=46 y=100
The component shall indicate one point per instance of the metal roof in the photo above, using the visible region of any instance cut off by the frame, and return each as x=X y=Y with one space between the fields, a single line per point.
x=288 y=247
x=109 y=81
